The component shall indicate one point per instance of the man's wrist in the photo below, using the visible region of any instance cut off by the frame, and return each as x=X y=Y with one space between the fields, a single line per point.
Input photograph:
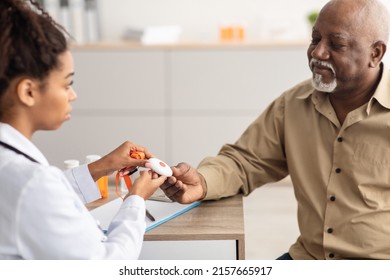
x=203 y=183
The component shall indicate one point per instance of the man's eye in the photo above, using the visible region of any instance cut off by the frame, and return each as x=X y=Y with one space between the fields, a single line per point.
x=315 y=41
x=337 y=46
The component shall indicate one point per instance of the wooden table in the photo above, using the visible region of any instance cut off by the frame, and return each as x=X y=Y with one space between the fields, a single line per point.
x=211 y=222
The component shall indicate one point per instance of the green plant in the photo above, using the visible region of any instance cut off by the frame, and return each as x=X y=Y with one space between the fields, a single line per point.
x=312 y=17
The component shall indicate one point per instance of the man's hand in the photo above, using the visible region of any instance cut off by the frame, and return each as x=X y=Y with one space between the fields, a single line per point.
x=186 y=185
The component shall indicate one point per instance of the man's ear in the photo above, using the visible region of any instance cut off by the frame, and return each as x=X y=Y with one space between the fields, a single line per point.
x=27 y=91
x=377 y=53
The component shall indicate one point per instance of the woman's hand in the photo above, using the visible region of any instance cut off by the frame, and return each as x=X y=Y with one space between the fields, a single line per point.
x=118 y=159
x=146 y=184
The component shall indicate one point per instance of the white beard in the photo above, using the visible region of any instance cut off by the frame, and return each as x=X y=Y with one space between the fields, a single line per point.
x=317 y=82
x=319 y=85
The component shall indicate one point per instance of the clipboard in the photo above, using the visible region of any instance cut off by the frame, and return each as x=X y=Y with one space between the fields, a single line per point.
x=161 y=211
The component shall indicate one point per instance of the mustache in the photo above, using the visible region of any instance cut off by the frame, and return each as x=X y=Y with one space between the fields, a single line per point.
x=317 y=62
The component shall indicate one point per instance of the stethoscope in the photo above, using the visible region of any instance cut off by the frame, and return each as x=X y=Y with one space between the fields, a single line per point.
x=12 y=148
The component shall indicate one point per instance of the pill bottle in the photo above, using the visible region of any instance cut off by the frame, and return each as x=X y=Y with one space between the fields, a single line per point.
x=71 y=163
x=102 y=183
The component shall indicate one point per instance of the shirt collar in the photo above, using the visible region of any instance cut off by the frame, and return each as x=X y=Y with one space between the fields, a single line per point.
x=381 y=94
x=305 y=90
x=14 y=138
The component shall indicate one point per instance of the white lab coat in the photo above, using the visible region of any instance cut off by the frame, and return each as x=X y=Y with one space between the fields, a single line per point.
x=42 y=217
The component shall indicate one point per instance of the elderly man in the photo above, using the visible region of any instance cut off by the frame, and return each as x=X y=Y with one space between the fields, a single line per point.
x=331 y=134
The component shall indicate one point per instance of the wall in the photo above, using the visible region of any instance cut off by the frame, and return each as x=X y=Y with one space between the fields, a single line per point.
x=181 y=103
x=200 y=19
x=105 y=115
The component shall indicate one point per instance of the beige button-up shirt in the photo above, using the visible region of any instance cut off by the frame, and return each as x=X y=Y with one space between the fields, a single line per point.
x=340 y=173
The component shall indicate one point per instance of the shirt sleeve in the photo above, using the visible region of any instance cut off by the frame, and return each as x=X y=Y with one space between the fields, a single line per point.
x=257 y=158
x=54 y=224
x=81 y=180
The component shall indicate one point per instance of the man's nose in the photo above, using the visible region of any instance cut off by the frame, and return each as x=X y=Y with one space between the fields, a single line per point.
x=320 y=52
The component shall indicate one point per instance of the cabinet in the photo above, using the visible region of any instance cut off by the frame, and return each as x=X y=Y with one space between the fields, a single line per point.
x=217 y=93
x=182 y=103
x=121 y=96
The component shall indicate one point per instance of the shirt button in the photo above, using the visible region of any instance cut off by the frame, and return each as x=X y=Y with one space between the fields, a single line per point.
x=332 y=198
x=331 y=255
x=338 y=170
x=329 y=230
x=340 y=139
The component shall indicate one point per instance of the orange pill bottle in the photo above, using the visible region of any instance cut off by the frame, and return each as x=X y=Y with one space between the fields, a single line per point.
x=102 y=183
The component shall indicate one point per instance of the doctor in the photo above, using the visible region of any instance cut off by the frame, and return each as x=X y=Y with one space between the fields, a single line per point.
x=42 y=212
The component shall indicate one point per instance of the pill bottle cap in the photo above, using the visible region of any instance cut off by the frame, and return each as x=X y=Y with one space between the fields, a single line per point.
x=71 y=163
x=92 y=158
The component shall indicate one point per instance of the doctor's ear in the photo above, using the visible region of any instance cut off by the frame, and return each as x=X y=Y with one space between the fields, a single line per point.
x=27 y=90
